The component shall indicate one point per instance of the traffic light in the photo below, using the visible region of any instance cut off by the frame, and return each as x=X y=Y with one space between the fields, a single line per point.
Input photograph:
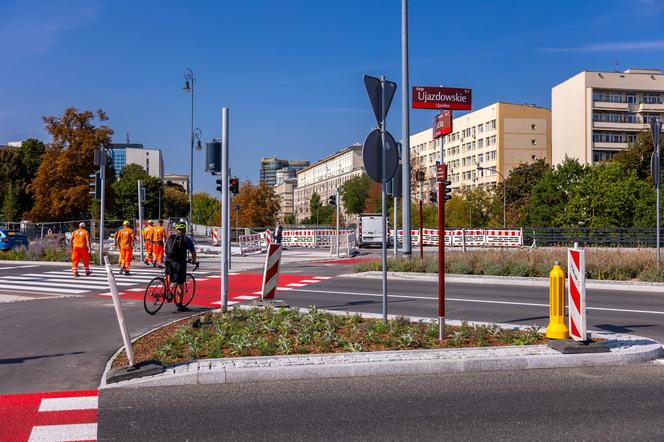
x=218 y=185
x=433 y=198
x=95 y=185
x=446 y=191
x=332 y=201
x=234 y=185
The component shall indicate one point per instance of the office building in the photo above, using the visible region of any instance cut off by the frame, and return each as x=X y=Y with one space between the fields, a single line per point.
x=286 y=192
x=597 y=114
x=125 y=153
x=325 y=176
x=498 y=137
x=270 y=166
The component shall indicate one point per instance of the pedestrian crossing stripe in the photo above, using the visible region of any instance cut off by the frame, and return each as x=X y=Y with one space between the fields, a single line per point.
x=32 y=288
x=73 y=284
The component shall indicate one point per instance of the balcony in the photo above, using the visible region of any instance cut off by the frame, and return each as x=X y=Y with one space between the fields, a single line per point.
x=633 y=127
x=610 y=105
x=602 y=145
x=646 y=107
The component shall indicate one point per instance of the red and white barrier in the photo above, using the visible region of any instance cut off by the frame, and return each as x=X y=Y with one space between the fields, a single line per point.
x=467 y=237
x=271 y=272
x=576 y=289
x=250 y=244
x=215 y=236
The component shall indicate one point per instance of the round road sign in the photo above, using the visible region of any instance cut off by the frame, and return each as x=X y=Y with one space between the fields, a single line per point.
x=372 y=155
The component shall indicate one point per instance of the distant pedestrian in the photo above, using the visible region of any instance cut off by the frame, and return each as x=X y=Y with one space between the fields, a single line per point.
x=278 y=233
x=124 y=241
x=147 y=240
x=80 y=248
x=158 y=235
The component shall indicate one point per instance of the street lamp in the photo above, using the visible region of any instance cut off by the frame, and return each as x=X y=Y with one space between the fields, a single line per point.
x=195 y=133
x=504 y=185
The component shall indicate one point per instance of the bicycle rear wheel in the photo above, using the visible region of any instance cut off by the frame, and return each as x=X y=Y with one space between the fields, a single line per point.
x=189 y=289
x=154 y=295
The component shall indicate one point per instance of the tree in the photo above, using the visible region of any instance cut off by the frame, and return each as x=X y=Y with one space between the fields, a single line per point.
x=259 y=205
x=637 y=155
x=126 y=194
x=10 y=210
x=176 y=202
x=314 y=207
x=61 y=186
x=289 y=219
x=206 y=209
x=18 y=167
x=518 y=187
x=354 y=194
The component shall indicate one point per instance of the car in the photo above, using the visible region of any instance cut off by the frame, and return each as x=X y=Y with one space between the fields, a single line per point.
x=11 y=239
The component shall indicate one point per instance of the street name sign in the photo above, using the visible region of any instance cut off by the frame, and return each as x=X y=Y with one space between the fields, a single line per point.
x=425 y=97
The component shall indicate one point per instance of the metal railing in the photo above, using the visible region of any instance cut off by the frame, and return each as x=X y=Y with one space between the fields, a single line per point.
x=591 y=236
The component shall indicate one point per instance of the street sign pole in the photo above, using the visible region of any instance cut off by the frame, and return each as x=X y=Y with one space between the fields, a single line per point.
x=224 y=208
x=140 y=217
x=405 y=133
x=383 y=198
x=655 y=172
x=102 y=177
x=441 y=178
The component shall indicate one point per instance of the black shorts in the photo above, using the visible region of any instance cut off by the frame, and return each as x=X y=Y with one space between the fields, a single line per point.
x=176 y=271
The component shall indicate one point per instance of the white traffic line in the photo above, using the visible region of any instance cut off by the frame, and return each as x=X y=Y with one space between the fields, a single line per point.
x=481 y=301
x=17 y=267
x=310 y=281
x=33 y=288
x=132 y=275
x=64 y=432
x=68 y=403
x=12 y=298
x=73 y=283
x=248 y=297
x=123 y=280
x=322 y=277
x=295 y=284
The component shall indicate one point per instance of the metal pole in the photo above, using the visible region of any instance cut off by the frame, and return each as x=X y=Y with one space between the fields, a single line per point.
x=383 y=198
x=191 y=163
x=421 y=242
x=441 y=254
x=337 y=200
x=224 y=208
x=102 y=176
x=140 y=217
x=656 y=139
x=504 y=202
x=396 y=233
x=405 y=131
x=228 y=223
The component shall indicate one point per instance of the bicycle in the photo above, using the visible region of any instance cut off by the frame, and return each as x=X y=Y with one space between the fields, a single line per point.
x=157 y=292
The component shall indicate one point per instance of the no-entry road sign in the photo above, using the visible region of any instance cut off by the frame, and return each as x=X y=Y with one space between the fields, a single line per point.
x=442 y=98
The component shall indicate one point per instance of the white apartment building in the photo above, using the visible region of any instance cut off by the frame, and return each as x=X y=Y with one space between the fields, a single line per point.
x=180 y=180
x=286 y=192
x=498 y=137
x=597 y=114
x=325 y=176
x=150 y=159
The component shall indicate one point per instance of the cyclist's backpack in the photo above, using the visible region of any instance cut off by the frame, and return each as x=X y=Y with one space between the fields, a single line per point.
x=176 y=248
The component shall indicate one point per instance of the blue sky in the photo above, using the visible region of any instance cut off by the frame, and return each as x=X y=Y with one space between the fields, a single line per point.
x=291 y=71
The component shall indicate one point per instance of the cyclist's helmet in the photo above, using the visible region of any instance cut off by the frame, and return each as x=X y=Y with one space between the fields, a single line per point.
x=181 y=226
x=126 y=223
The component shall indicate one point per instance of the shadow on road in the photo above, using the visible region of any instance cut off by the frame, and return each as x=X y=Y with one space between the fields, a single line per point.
x=622 y=328
x=27 y=358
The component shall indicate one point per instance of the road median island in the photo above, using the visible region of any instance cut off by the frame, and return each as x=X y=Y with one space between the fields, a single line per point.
x=250 y=344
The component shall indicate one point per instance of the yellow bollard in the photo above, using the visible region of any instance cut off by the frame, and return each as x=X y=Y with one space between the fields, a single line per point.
x=557 y=328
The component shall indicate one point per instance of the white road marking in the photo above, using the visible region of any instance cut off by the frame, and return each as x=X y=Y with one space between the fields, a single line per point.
x=17 y=267
x=33 y=288
x=481 y=301
x=295 y=284
x=64 y=432
x=310 y=281
x=322 y=277
x=248 y=297
x=131 y=277
x=68 y=403
x=73 y=283
x=56 y=278
x=12 y=298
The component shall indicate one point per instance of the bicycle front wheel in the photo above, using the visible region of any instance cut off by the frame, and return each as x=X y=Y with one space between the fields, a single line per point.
x=189 y=289
x=154 y=295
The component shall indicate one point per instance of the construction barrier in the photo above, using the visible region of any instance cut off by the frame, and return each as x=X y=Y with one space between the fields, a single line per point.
x=467 y=237
x=215 y=236
x=576 y=289
x=271 y=272
x=250 y=244
x=347 y=244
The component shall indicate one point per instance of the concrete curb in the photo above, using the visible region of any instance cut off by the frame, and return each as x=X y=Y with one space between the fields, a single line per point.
x=623 y=286
x=624 y=349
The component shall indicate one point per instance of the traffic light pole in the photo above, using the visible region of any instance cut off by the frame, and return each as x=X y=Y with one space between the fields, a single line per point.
x=224 y=208
x=140 y=217
x=337 y=204
x=102 y=179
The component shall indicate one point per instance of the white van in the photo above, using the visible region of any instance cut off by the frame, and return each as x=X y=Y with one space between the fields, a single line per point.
x=369 y=231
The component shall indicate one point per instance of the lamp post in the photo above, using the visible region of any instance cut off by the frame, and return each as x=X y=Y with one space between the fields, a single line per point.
x=194 y=135
x=504 y=185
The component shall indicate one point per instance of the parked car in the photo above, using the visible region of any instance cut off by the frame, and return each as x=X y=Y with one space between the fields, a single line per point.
x=11 y=239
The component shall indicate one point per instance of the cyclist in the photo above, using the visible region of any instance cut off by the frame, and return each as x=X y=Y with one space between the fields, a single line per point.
x=177 y=246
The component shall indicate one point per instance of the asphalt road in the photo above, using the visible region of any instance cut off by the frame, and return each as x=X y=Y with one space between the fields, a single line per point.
x=605 y=403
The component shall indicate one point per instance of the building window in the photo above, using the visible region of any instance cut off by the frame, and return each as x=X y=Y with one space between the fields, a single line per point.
x=480 y=127
x=631 y=98
x=491 y=155
x=533 y=142
x=480 y=157
x=651 y=98
x=533 y=126
x=491 y=125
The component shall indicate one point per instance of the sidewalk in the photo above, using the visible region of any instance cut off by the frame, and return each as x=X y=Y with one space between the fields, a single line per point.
x=624 y=349
x=624 y=286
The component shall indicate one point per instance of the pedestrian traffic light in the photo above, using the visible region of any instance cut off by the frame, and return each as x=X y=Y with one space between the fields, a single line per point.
x=332 y=201
x=446 y=191
x=234 y=185
x=218 y=185
x=433 y=198
x=95 y=185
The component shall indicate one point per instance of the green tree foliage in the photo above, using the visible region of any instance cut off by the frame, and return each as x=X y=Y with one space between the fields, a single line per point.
x=176 y=202
x=314 y=204
x=206 y=209
x=289 y=219
x=551 y=194
x=518 y=187
x=259 y=205
x=18 y=167
x=61 y=186
x=637 y=155
x=126 y=194
x=354 y=193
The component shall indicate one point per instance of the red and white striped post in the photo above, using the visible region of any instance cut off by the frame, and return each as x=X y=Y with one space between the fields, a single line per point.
x=271 y=272
x=576 y=289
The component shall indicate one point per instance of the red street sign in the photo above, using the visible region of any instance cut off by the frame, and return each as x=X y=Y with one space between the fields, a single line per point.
x=442 y=124
x=441 y=172
x=442 y=98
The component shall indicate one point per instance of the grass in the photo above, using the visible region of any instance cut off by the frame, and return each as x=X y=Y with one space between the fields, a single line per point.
x=604 y=264
x=266 y=332
x=42 y=250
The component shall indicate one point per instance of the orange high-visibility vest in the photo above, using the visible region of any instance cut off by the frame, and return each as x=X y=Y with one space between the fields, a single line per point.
x=80 y=238
x=125 y=238
x=157 y=233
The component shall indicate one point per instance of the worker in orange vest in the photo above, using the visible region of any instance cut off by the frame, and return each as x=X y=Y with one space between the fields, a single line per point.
x=158 y=234
x=147 y=240
x=80 y=248
x=124 y=241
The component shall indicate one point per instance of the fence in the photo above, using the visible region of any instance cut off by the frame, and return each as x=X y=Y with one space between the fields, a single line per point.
x=595 y=236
